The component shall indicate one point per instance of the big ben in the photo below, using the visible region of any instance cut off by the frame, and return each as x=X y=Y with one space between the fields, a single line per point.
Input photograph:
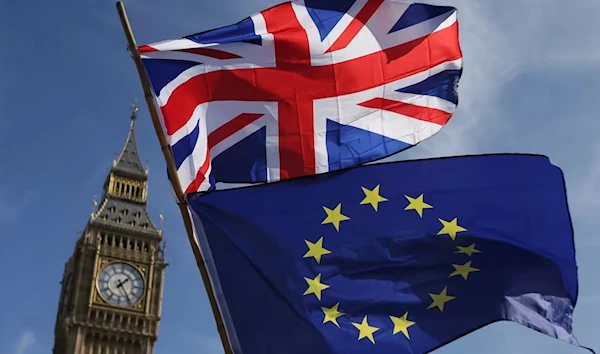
x=111 y=296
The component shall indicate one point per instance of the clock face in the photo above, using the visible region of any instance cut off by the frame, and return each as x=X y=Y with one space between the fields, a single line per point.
x=121 y=284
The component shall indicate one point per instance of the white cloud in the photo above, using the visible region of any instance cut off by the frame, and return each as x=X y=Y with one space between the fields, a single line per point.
x=25 y=342
x=587 y=189
x=501 y=42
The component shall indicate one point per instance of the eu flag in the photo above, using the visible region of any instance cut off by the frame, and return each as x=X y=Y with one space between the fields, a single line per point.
x=399 y=257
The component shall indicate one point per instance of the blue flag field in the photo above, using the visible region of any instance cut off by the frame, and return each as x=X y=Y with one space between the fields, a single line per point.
x=399 y=257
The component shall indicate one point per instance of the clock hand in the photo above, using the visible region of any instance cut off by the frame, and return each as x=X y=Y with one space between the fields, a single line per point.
x=124 y=292
x=121 y=283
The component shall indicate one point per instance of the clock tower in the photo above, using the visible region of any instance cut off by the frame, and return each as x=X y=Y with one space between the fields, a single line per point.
x=111 y=296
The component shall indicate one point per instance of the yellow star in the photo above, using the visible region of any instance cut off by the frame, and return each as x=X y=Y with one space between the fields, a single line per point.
x=468 y=250
x=372 y=197
x=316 y=250
x=364 y=330
x=451 y=228
x=463 y=270
x=315 y=286
x=417 y=204
x=440 y=299
x=334 y=216
x=332 y=314
x=401 y=324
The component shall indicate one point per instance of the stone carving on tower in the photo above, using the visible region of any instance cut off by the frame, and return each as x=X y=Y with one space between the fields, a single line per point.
x=111 y=296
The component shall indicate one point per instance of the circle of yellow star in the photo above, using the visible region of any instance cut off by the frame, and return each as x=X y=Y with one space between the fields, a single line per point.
x=451 y=228
x=334 y=216
x=417 y=204
x=365 y=331
x=315 y=286
x=316 y=250
x=463 y=270
x=440 y=299
x=468 y=250
x=401 y=324
x=332 y=314
x=372 y=197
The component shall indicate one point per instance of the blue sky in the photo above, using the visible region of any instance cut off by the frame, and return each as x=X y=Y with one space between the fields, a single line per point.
x=66 y=83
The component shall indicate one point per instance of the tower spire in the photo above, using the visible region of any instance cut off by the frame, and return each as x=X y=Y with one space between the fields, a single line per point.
x=123 y=203
x=129 y=161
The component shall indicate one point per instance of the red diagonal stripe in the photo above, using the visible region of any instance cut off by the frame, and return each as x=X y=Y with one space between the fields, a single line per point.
x=146 y=49
x=200 y=176
x=213 y=53
x=425 y=114
x=355 y=25
x=233 y=126
x=226 y=130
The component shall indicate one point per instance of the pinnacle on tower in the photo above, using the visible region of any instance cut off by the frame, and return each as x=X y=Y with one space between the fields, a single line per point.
x=134 y=109
x=128 y=161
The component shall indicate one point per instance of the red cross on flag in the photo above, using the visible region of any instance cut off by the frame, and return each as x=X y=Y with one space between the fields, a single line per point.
x=305 y=87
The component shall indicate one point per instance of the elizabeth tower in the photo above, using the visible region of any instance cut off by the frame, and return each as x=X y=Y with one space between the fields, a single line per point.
x=111 y=294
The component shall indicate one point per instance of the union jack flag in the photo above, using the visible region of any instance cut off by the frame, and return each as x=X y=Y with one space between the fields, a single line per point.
x=305 y=87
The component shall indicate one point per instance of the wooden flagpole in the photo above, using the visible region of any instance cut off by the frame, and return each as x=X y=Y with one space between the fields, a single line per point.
x=172 y=172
